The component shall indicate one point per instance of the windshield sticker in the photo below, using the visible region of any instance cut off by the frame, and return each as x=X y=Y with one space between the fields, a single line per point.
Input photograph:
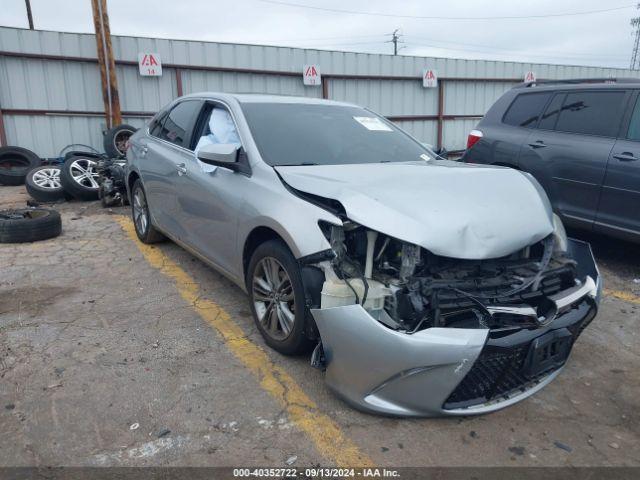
x=426 y=157
x=373 y=124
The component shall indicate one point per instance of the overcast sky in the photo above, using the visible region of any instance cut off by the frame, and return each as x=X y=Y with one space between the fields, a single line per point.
x=602 y=39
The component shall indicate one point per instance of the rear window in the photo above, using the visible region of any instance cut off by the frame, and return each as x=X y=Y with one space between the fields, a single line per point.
x=592 y=113
x=526 y=109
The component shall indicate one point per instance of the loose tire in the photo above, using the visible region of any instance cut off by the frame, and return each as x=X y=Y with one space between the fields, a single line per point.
x=277 y=298
x=145 y=230
x=79 y=178
x=115 y=140
x=43 y=184
x=15 y=163
x=29 y=225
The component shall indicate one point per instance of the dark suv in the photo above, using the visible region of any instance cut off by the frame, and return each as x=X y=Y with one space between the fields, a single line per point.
x=580 y=139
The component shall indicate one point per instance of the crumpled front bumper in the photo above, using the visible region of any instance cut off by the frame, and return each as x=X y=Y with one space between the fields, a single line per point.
x=380 y=370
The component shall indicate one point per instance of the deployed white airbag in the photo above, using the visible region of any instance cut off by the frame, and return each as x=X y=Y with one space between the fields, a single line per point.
x=223 y=131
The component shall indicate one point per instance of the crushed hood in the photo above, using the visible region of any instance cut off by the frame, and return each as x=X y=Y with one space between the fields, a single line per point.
x=451 y=209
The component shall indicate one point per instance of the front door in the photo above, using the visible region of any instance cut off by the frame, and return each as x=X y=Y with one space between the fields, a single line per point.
x=618 y=210
x=210 y=201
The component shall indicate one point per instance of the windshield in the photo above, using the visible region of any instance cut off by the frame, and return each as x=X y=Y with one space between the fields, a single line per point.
x=308 y=134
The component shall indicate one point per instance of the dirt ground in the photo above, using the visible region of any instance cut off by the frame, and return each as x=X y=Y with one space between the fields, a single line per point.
x=104 y=361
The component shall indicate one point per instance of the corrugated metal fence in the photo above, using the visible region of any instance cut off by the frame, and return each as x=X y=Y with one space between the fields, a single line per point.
x=50 y=84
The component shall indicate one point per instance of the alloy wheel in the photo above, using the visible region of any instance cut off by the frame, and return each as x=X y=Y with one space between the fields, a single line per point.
x=140 y=212
x=273 y=298
x=120 y=141
x=47 y=178
x=84 y=173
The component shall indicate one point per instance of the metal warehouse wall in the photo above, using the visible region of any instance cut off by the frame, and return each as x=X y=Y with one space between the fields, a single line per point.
x=50 y=84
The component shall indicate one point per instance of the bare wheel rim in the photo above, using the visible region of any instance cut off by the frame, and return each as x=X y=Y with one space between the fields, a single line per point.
x=83 y=172
x=120 y=140
x=48 y=178
x=273 y=298
x=140 y=212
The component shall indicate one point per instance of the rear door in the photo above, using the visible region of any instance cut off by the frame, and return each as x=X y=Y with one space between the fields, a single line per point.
x=569 y=150
x=165 y=156
x=618 y=211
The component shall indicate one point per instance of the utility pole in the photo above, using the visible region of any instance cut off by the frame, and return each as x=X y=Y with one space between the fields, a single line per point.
x=394 y=39
x=635 y=57
x=107 y=64
x=29 y=15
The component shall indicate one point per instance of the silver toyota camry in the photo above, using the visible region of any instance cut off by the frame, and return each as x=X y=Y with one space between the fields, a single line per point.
x=422 y=286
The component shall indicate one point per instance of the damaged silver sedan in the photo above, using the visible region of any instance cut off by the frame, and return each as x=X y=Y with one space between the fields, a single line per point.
x=424 y=287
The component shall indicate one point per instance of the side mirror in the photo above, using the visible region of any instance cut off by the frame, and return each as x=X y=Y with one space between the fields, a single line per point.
x=219 y=154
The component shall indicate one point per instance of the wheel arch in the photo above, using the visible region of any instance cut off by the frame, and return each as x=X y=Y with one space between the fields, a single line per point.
x=257 y=236
x=505 y=164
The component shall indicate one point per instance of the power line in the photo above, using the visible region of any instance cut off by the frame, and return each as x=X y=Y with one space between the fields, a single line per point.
x=349 y=37
x=471 y=47
x=542 y=56
x=428 y=17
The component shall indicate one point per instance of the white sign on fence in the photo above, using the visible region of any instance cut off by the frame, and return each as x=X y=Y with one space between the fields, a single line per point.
x=311 y=75
x=429 y=78
x=150 y=64
x=530 y=77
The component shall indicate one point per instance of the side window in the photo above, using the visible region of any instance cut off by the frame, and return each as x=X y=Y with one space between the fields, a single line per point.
x=592 y=113
x=176 y=126
x=550 y=116
x=155 y=126
x=525 y=109
x=215 y=126
x=634 y=124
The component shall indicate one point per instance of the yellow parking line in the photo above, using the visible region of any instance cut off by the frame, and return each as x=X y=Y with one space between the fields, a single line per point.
x=621 y=295
x=327 y=436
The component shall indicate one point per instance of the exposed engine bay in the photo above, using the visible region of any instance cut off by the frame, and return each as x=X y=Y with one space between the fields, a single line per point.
x=407 y=288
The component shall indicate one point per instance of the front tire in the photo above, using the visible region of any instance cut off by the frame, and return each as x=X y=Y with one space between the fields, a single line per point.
x=277 y=298
x=145 y=230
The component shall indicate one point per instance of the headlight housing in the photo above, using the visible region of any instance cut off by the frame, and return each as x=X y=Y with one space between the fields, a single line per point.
x=559 y=235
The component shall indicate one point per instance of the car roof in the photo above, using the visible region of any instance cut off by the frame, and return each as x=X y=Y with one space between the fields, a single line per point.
x=263 y=98
x=586 y=84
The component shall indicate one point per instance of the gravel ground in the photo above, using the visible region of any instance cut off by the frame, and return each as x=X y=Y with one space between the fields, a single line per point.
x=103 y=362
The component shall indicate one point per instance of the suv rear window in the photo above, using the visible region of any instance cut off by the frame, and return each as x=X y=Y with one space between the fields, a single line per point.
x=592 y=113
x=526 y=109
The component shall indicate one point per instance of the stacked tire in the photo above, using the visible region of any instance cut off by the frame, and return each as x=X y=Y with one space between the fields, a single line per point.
x=79 y=178
x=15 y=163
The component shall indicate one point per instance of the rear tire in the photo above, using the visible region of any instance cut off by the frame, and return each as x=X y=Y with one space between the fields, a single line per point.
x=277 y=298
x=29 y=225
x=145 y=230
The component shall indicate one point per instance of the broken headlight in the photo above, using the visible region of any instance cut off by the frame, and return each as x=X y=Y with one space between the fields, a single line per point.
x=559 y=235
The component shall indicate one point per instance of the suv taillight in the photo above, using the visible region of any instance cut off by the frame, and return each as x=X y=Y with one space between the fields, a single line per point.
x=472 y=139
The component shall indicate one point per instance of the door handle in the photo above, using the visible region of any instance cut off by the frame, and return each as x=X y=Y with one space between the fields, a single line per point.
x=182 y=169
x=625 y=157
x=537 y=144
x=143 y=152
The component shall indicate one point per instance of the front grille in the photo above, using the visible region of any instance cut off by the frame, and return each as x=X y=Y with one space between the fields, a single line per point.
x=498 y=372
x=552 y=282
